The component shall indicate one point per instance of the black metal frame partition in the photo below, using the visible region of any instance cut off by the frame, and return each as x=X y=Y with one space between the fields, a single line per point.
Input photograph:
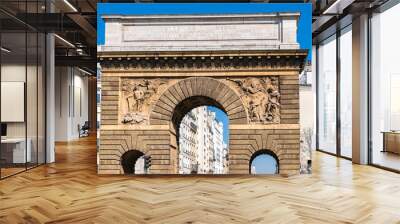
x=338 y=33
x=44 y=100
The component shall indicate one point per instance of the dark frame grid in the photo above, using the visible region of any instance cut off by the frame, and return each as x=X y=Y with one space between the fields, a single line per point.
x=35 y=32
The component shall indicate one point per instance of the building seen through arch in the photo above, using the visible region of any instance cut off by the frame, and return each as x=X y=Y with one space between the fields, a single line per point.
x=202 y=148
x=133 y=162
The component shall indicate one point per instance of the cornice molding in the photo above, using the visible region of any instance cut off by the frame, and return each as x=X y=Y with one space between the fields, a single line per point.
x=204 y=61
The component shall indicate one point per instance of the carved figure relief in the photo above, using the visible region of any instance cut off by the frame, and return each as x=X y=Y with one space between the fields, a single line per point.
x=261 y=97
x=136 y=97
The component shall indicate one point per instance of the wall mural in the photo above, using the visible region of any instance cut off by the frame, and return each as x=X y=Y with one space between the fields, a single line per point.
x=150 y=85
x=261 y=97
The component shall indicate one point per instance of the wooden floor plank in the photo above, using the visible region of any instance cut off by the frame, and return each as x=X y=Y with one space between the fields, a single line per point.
x=70 y=191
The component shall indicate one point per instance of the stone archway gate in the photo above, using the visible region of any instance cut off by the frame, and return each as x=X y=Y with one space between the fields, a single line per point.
x=153 y=66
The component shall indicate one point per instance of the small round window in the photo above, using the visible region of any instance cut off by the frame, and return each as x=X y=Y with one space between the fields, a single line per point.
x=264 y=163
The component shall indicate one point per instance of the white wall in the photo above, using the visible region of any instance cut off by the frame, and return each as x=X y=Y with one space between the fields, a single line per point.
x=61 y=103
x=307 y=115
x=33 y=125
x=13 y=72
x=314 y=94
x=71 y=102
x=80 y=104
x=16 y=73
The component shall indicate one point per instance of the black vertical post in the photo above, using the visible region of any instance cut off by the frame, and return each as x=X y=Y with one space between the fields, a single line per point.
x=1 y=165
x=45 y=94
x=69 y=93
x=45 y=86
x=26 y=86
x=317 y=97
x=37 y=88
x=73 y=91
x=338 y=74
x=369 y=95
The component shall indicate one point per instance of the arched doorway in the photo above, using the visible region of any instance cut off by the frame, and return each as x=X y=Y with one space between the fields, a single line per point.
x=264 y=162
x=202 y=140
x=133 y=162
x=180 y=98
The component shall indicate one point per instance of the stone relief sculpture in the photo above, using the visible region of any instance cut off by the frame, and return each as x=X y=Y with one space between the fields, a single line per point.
x=261 y=97
x=136 y=96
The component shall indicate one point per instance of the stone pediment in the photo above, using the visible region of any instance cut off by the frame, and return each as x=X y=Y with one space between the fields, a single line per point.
x=271 y=31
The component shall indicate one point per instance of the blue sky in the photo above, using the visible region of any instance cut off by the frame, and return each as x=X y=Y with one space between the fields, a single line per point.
x=221 y=116
x=264 y=164
x=303 y=33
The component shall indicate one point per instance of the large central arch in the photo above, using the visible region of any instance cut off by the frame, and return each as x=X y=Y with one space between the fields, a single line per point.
x=189 y=93
x=180 y=98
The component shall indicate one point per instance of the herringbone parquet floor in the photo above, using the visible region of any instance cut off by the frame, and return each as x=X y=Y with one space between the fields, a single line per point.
x=70 y=191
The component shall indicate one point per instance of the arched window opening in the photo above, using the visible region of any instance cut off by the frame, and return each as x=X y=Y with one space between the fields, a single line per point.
x=135 y=162
x=264 y=162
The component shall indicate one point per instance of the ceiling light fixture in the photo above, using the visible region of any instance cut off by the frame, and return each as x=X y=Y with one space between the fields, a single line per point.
x=70 y=5
x=337 y=7
x=334 y=5
x=5 y=50
x=86 y=72
x=65 y=41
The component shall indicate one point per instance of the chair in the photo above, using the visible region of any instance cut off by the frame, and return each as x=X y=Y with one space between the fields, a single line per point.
x=84 y=130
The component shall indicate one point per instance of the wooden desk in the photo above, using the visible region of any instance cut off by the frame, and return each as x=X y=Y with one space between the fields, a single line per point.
x=13 y=150
x=391 y=142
